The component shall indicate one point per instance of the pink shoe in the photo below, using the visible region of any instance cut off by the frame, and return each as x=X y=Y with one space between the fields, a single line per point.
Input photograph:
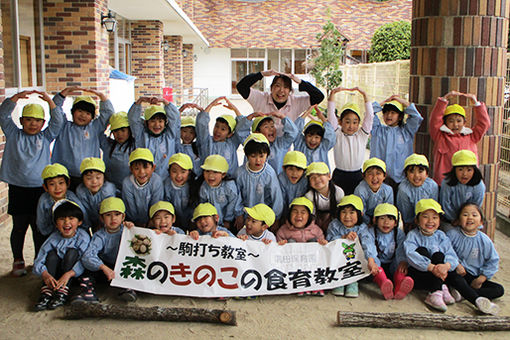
x=384 y=284
x=403 y=287
x=447 y=297
x=18 y=268
x=435 y=300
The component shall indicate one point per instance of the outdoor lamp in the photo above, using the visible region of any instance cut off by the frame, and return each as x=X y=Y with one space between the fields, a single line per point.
x=109 y=22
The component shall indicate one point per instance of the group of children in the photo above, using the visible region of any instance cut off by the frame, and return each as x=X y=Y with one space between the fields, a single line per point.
x=171 y=174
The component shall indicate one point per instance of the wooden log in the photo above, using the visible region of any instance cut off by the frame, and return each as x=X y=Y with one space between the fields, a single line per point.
x=441 y=321
x=98 y=310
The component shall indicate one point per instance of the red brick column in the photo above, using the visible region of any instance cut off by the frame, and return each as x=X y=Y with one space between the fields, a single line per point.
x=461 y=45
x=188 y=68
x=4 y=217
x=174 y=65
x=76 y=44
x=147 y=57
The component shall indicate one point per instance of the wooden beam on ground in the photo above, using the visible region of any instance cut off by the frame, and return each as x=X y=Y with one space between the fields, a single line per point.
x=441 y=321
x=98 y=310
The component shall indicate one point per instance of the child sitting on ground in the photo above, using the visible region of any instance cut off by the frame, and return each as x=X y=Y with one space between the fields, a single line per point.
x=220 y=191
x=259 y=218
x=432 y=261
x=416 y=186
x=256 y=180
x=79 y=138
x=56 y=184
x=477 y=255
x=317 y=139
x=349 y=225
x=116 y=151
x=58 y=261
x=449 y=133
x=392 y=142
x=301 y=228
x=206 y=218
x=227 y=134
x=279 y=145
x=157 y=131
x=351 y=139
x=94 y=189
x=372 y=190
x=26 y=153
x=388 y=257
x=142 y=188
x=181 y=189
x=103 y=249
x=324 y=194
x=464 y=183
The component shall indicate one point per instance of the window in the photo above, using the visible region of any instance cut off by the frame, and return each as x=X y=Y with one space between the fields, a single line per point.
x=120 y=46
x=245 y=61
x=23 y=45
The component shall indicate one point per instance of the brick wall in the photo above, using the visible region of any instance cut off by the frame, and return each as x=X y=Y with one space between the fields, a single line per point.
x=187 y=72
x=147 y=57
x=290 y=23
x=174 y=64
x=4 y=217
x=76 y=44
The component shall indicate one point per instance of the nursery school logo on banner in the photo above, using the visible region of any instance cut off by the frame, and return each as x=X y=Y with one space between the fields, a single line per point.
x=228 y=266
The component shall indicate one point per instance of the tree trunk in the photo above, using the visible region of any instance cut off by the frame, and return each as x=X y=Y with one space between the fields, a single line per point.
x=441 y=321
x=98 y=310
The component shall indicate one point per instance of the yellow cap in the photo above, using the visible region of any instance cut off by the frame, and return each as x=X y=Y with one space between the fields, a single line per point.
x=215 y=163
x=257 y=137
x=54 y=170
x=261 y=212
x=302 y=201
x=374 y=162
x=112 y=204
x=87 y=99
x=204 y=209
x=92 y=163
x=231 y=121
x=320 y=168
x=141 y=154
x=187 y=121
x=257 y=121
x=182 y=160
x=428 y=204
x=416 y=159
x=353 y=200
x=384 y=209
x=353 y=107
x=33 y=111
x=161 y=205
x=296 y=158
x=397 y=104
x=62 y=201
x=464 y=157
x=455 y=108
x=119 y=120
x=152 y=110
x=313 y=122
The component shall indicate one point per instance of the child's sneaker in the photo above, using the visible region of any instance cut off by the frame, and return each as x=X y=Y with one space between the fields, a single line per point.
x=128 y=295
x=18 y=268
x=447 y=297
x=338 y=291
x=456 y=295
x=435 y=300
x=485 y=306
x=318 y=293
x=44 y=299
x=351 y=290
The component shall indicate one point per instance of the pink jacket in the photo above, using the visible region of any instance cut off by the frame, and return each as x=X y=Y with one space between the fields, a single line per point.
x=446 y=143
x=312 y=232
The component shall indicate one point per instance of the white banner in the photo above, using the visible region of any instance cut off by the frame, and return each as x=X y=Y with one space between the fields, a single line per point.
x=228 y=266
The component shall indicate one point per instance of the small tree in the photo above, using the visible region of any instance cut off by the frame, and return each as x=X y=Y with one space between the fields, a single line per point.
x=326 y=65
x=391 y=42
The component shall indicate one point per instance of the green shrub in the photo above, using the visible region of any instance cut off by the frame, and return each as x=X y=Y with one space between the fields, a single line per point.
x=391 y=42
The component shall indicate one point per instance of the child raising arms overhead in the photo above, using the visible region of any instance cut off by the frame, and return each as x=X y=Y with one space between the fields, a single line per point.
x=449 y=133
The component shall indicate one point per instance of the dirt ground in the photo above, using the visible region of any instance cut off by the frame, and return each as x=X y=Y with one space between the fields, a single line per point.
x=279 y=317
